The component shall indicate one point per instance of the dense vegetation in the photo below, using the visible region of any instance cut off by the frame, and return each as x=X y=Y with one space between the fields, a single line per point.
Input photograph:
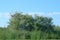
x=27 y=27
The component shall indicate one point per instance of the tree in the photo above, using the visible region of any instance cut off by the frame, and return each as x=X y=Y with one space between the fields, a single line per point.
x=29 y=23
x=43 y=23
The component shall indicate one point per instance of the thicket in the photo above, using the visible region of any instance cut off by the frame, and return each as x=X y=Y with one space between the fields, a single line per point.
x=27 y=27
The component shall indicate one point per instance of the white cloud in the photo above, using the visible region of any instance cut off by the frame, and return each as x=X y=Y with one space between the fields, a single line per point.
x=5 y=15
x=50 y=14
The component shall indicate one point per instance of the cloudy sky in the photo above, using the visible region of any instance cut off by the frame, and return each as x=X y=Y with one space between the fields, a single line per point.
x=49 y=8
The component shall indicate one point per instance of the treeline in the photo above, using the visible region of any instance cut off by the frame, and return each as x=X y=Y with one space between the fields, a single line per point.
x=27 y=27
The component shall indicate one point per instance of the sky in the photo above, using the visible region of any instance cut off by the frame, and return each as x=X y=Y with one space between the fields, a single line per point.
x=40 y=7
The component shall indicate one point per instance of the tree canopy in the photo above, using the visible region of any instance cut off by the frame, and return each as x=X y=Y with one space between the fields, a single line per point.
x=25 y=26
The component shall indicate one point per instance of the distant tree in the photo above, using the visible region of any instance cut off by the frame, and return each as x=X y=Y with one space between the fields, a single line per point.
x=44 y=23
x=29 y=23
x=19 y=21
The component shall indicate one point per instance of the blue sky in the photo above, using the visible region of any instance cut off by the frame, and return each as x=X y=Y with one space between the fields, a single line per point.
x=46 y=6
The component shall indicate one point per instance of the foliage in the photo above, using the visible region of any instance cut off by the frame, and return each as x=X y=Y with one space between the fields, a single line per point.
x=27 y=27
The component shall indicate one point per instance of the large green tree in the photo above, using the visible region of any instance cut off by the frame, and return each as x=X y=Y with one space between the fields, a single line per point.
x=29 y=23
